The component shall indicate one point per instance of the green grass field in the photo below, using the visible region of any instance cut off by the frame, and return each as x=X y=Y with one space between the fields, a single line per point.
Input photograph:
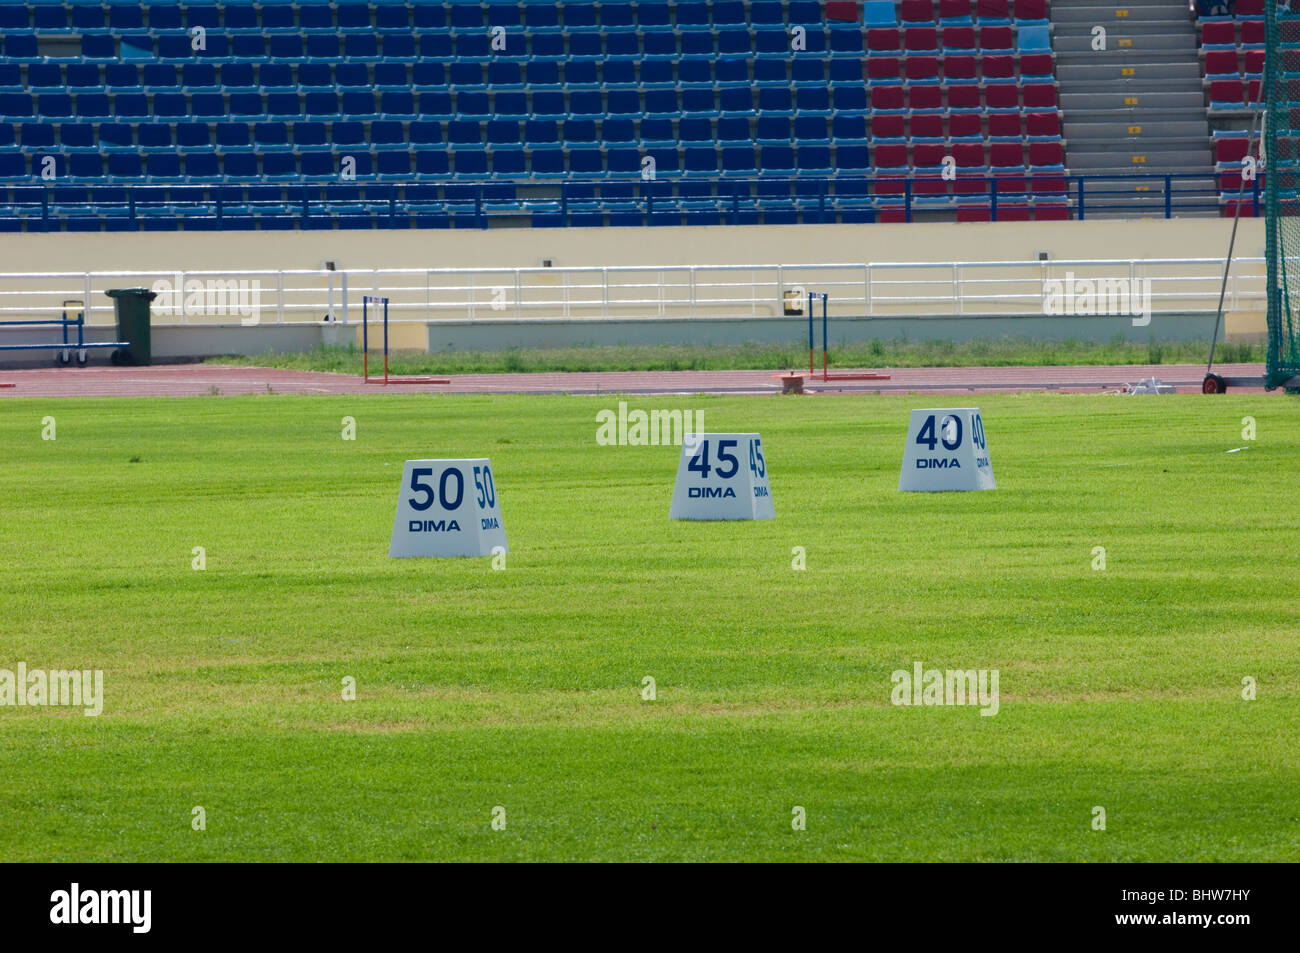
x=521 y=688
x=983 y=352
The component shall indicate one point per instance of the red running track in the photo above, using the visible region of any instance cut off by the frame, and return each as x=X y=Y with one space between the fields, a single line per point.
x=189 y=380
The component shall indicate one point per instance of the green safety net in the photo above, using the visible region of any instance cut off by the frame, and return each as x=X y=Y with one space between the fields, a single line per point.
x=1281 y=145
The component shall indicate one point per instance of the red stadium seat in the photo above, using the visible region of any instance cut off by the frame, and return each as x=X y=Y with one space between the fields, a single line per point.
x=882 y=40
x=1040 y=96
x=916 y=11
x=1010 y=183
x=926 y=125
x=1219 y=32
x=1252 y=32
x=955 y=9
x=959 y=38
x=846 y=10
x=963 y=96
x=920 y=69
x=1227 y=91
x=1005 y=125
x=1250 y=8
x=928 y=155
x=1046 y=153
x=890 y=156
x=927 y=98
x=1254 y=63
x=1006 y=154
x=1043 y=124
x=997 y=67
x=967 y=125
x=887 y=97
x=889 y=127
x=996 y=38
x=960 y=66
x=1051 y=211
x=974 y=212
x=1230 y=148
x=969 y=155
x=920 y=39
x=1222 y=63
x=1031 y=9
x=1013 y=211
x=884 y=67
x=1036 y=64
x=992 y=9
x=1002 y=96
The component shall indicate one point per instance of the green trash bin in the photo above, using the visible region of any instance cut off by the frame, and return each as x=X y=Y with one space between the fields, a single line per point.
x=133 y=325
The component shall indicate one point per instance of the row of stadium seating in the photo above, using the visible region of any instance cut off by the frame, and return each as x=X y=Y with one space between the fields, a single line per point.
x=988 y=118
x=181 y=47
x=1232 y=59
x=536 y=16
x=540 y=162
x=383 y=135
x=667 y=102
x=538 y=76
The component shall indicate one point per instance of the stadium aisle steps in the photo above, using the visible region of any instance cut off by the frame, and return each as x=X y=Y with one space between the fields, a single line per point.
x=1138 y=105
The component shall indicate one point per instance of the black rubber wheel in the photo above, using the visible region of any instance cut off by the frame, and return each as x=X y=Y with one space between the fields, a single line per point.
x=1214 y=384
x=82 y=357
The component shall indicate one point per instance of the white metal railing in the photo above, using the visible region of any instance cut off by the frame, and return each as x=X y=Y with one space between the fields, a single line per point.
x=877 y=289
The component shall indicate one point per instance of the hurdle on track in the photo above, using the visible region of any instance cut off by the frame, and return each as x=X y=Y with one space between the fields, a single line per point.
x=365 y=349
x=826 y=375
x=64 y=346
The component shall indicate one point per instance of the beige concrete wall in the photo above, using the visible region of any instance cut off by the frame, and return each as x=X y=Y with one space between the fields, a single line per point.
x=794 y=244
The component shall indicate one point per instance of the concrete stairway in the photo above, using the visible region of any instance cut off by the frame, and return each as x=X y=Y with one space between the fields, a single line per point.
x=1137 y=105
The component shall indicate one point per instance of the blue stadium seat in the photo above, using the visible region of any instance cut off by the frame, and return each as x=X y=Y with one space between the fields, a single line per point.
x=190 y=136
x=352 y=77
x=659 y=44
x=695 y=72
x=541 y=132
x=94 y=106
x=773 y=130
x=316 y=17
x=199 y=76
x=200 y=165
x=317 y=164
x=249 y=46
x=115 y=136
x=697 y=42
x=37 y=135
x=735 y=72
x=548 y=46
x=425 y=133
x=233 y=137
x=23 y=46
x=429 y=16
x=283 y=47
x=358 y=46
x=162 y=166
x=387 y=135
x=15 y=105
x=618 y=132
x=431 y=103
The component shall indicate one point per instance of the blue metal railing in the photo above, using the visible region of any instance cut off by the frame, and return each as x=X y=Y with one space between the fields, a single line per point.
x=43 y=208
